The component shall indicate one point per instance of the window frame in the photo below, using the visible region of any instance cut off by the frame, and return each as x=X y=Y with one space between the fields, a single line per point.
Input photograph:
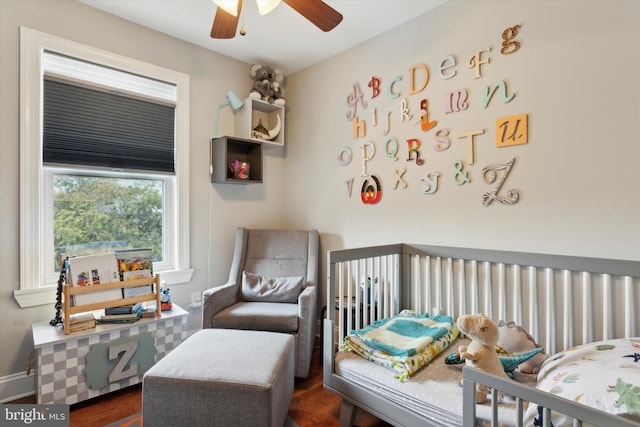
x=34 y=289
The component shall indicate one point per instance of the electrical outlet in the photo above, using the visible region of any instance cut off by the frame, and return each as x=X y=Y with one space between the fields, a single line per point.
x=196 y=298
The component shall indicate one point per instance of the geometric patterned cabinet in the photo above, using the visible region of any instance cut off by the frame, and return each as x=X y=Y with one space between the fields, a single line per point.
x=85 y=364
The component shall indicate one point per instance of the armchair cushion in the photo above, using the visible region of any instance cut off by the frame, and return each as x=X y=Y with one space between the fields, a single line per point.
x=257 y=288
x=258 y=316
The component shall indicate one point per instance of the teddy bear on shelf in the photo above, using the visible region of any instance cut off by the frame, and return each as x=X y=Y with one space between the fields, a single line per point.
x=267 y=84
x=481 y=352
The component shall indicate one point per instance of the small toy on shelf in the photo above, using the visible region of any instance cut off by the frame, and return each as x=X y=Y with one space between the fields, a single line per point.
x=165 y=299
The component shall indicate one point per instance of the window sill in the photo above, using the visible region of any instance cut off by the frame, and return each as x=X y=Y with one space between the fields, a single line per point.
x=47 y=295
x=176 y=277
x=34 y=297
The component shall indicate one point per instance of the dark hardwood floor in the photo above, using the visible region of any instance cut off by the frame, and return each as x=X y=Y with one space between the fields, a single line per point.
x=312 y=405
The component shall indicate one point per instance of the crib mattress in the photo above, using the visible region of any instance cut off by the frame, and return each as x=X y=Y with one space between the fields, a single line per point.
x=434 y=392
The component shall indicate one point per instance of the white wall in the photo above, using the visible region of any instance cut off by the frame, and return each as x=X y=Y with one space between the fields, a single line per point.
x=576 y=75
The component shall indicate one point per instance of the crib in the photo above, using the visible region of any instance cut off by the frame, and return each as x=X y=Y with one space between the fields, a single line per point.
x=563 y=301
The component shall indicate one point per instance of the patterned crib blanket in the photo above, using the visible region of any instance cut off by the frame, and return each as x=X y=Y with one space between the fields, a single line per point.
x=404 y=343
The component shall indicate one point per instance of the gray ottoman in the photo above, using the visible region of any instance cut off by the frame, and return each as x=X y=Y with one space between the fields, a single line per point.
x=222 y=377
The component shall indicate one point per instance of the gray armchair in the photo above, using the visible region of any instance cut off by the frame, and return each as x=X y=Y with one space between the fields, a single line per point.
x=271 y=287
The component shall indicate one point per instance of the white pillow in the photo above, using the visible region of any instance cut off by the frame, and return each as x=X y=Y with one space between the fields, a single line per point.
x=595 y=375
x=270 y=289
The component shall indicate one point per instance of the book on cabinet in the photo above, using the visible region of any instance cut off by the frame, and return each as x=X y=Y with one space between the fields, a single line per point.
x=92 y=271
x=135 y=264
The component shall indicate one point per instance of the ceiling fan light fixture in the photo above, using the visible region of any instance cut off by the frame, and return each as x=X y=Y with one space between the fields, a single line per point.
x=266 y=6
x=229 y=6
x=317 y=12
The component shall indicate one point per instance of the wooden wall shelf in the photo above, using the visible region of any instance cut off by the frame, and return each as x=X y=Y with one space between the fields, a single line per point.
x=227 y=149
x=256 y=111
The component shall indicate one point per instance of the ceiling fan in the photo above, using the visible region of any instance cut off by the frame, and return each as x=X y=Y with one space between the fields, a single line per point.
x=317 y=12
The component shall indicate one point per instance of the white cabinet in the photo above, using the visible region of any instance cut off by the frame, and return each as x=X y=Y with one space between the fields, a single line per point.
x=261 y=121
x=65 y=362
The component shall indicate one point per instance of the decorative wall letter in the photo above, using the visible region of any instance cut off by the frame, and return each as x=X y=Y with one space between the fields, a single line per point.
x=476 y=61
x=374 y=84
x=511 y=130
x=349 y=183
x=404 y=111
x=443 y=141
x=365 y=157
x=447 y=63
x=456 y=101
x=488 y=93
x=345 y=156
x=509 y=45
x=470 y=148
x=425 y=79
x=489 y=174
x=425 y=124
x=412 y=146
x=358 y=128
x=460 y=177
x=390 y=90
x=431 y=181
x=374 y=117
x=371 y=191
x=393 y=153
x=352 y=101
x=386 y=131
x=399 y=173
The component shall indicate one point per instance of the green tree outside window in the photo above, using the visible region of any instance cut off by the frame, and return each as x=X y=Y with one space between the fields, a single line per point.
x=96 y=211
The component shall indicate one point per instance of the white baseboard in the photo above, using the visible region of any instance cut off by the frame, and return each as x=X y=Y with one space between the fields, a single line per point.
x=17 y=386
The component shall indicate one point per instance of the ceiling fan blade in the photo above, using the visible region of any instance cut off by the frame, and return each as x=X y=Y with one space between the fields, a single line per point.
x=318 y=12
x=225 y=24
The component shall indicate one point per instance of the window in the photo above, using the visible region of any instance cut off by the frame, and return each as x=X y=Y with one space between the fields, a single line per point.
x=78 y=188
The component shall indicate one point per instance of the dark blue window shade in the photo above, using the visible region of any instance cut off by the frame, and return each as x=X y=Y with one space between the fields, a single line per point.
x=89 y=127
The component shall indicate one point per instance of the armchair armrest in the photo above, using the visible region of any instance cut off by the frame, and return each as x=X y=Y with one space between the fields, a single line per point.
x=306 y=329
x=307 y=302
x=214 y=300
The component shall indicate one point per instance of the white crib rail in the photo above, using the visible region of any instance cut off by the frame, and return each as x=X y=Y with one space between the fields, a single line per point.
x=562 y=301
x=560 y=308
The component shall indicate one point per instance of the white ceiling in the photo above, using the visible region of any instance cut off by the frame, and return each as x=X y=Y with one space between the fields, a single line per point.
x=283 y=38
